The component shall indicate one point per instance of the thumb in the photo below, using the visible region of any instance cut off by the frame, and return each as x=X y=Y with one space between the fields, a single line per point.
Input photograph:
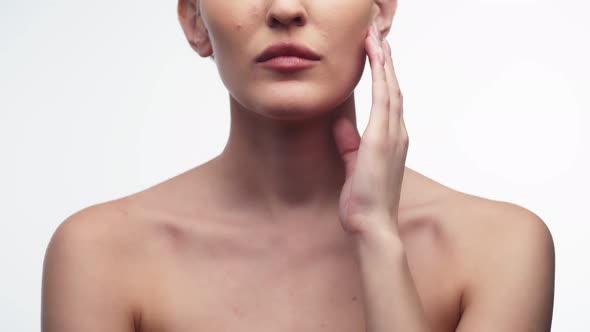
x=348 y=141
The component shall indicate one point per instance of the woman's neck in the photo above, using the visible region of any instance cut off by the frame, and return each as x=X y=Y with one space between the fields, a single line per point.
x=275 y=166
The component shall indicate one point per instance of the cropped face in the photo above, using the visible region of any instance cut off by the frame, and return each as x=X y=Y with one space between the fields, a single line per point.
x=237 y=32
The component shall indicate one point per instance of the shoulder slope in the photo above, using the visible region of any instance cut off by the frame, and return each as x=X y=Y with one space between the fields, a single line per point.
x=491 y=229
x=508 y=255
x=88 y=274
x=100 y=229
x=501 y=215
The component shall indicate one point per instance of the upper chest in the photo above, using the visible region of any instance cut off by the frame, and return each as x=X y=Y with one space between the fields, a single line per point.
x=208 y=278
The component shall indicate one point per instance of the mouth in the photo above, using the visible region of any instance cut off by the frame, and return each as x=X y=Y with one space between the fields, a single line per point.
x=288 y=57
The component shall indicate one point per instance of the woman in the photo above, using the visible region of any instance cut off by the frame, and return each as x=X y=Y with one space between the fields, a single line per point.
x=299 y=224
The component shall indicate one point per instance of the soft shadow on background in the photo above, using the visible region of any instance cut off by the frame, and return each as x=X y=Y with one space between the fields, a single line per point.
x=99 y=100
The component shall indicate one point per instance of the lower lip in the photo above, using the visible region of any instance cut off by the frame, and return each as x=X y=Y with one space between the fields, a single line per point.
x=288 y=63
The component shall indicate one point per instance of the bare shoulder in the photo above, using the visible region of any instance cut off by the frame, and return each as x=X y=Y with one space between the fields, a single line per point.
x=88 y=271
x=497 y=224
x=467 y=221
x=100 y=229
x=483 y=216
x=487 y=230
x=507 y=260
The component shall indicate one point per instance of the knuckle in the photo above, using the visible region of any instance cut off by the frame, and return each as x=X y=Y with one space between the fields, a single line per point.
x=406 y=146
x=396 y=104
x=405 y=139
x=401 y=142
x=387 y=103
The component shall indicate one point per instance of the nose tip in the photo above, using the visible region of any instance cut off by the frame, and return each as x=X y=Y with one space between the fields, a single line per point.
x=286 y=13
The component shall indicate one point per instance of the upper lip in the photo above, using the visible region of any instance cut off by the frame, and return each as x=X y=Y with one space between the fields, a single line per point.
x=287 y=48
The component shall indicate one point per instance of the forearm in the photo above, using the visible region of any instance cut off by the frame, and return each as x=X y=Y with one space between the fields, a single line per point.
x=391 y=298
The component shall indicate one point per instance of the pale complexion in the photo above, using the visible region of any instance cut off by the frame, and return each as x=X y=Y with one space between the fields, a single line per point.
x=257 y=239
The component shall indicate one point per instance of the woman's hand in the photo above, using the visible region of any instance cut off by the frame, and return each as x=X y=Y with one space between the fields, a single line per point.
x=375 y=166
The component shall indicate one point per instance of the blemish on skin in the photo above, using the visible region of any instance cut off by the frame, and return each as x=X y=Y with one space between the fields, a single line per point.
x=354 y=297
x=237 y=311
x=238 y=27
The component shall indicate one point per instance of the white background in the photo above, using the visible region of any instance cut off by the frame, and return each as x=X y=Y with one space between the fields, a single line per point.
x=101 y=99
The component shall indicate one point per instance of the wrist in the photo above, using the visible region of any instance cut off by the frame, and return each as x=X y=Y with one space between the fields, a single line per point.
x=378 y=241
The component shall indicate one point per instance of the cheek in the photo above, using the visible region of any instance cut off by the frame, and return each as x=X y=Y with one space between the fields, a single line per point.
x=346 y=70
x=344 y=16
x=228 y=22
x=344 y=31
x=346 y=54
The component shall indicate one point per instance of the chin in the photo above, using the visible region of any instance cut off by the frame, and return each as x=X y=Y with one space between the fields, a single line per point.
x=295 y=99
x=289 y=107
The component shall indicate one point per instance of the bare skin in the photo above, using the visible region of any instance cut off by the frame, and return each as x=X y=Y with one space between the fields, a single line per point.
x=251 y=240
x=181 y=270
x=271 y=277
